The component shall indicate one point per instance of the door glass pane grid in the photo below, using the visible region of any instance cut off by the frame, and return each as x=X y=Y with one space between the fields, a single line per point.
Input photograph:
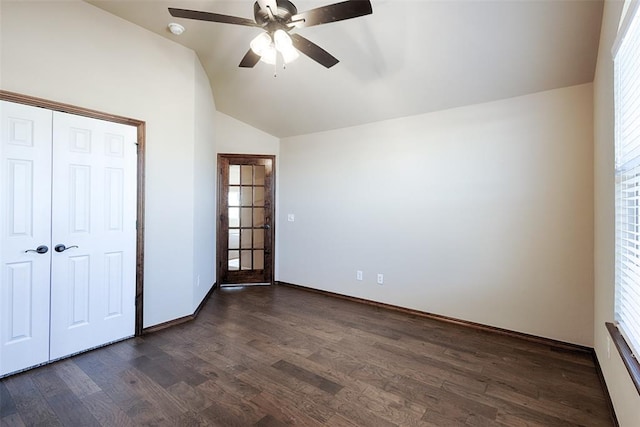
x=247 y=221
x=258 y=195
x=234 y=217
x=234 y=175
x=234 y=196
x=246 y=175
x=258 y=217
x=246 y=263
x=245 y=238
x=258 y=260
x=234 y=239
x=246 y=195
x=234 y=260
x=258 y=238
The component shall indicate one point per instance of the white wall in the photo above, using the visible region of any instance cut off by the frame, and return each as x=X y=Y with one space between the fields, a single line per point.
x=483 y=213
x=204 y=184
x=236 y=137
x=75 y=53
x=626 y=400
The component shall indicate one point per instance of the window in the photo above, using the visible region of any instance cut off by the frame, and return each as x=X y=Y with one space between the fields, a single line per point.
x=627 y=171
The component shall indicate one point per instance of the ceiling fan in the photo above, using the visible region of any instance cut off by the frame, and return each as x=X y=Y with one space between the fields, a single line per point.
x=277 y=18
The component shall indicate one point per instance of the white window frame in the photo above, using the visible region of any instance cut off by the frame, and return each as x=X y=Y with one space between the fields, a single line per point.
x=626 y=56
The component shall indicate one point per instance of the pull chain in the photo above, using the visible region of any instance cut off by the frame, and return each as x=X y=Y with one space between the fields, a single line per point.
x=275 y=67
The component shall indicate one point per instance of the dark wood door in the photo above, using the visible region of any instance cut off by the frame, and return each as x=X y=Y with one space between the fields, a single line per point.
x=246 y=194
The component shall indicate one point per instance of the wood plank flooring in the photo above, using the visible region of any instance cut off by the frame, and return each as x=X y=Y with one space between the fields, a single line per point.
x=276 y=356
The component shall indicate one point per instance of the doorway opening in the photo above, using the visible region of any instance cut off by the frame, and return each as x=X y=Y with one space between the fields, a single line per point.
x=245 y=242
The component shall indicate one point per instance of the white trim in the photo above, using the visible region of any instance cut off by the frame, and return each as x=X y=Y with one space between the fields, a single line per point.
x=627 y=177
x=630 y=9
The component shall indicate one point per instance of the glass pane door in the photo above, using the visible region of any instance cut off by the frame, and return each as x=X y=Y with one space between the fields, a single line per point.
x=245 y=222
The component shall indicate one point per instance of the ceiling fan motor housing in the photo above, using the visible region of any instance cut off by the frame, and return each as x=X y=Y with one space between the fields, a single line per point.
x=282 y=15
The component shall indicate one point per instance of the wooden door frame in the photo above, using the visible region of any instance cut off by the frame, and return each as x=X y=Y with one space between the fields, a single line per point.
x=219 y=201
x=141 y=129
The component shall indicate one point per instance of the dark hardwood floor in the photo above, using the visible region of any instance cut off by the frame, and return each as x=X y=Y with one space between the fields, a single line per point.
x=275 y=356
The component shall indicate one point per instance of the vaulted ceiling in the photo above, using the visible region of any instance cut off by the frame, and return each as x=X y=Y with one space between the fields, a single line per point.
x=408 y=57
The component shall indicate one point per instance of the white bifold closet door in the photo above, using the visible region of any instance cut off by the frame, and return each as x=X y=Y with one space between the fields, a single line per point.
x=68 y=185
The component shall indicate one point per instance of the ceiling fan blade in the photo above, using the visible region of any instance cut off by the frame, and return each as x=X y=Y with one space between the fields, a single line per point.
x=313 y=51
x=212 y=17
x=249 y=60
x=332 y=13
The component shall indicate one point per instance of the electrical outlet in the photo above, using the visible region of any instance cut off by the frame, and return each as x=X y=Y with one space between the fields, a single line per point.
x=359 y=275
x=380 y=279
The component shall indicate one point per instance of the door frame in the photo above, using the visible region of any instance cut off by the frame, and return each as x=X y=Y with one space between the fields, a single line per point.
x=141 y=130
x=220 y=201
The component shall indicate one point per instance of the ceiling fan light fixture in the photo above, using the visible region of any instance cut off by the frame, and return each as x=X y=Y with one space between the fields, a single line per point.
x=282 y=39
x=269 y=54
x=284 y=45
x=261 y=43
x=289 y=55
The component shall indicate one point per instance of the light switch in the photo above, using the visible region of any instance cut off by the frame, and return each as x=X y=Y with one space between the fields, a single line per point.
x=291 y=217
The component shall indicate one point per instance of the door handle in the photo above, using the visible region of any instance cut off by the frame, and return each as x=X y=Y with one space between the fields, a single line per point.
x=42 y=249
x=266 y=226
x=61 y=248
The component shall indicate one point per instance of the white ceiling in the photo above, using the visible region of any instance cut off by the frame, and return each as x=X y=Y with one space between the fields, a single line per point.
x=408 y=57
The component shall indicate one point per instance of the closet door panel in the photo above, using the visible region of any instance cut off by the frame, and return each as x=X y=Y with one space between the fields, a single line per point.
x=25 y=217
x=94 y=217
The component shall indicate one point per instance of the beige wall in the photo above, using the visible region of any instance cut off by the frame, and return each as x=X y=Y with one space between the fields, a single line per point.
x=236 y=137
x=483 y=213
x=624 y=395
x=75 y=53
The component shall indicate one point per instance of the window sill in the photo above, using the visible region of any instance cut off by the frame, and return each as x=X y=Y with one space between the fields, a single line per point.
x=632 y=364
